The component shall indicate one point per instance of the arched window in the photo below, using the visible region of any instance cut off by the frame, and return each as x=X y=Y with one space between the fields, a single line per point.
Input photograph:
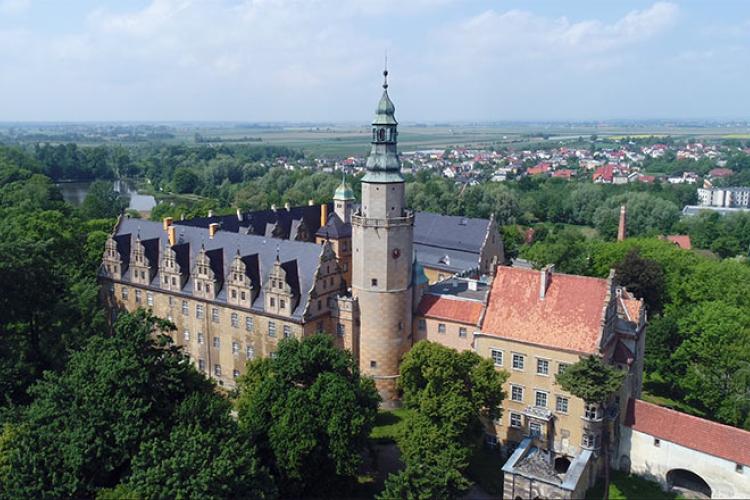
x=381 y=134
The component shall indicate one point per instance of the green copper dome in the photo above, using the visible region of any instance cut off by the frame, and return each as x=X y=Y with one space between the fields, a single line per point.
x=344 y=192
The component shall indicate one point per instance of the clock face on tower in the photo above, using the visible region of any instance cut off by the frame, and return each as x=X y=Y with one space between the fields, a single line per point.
x=396 y=253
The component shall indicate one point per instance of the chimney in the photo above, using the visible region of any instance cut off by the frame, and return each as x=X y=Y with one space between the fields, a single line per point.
x=172 y=236
x=167 y=222
x=310 y=203
x=473 y=285
x=213 y=229
x=622 y=228
x=239 y=215
x=210 y=213
x=545 y=278
x=286 y=205
x=323 y=214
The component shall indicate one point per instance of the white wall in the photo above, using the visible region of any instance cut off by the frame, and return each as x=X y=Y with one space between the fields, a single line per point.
x=654 y=462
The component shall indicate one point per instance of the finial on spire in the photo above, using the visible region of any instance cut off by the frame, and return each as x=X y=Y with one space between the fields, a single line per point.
x=277 y=253
x=385 y=71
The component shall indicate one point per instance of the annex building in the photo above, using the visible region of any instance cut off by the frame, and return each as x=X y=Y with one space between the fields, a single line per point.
x=379 y=277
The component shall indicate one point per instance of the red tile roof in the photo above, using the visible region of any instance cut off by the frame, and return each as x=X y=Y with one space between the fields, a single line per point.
x=719 y=440
x=457 y=310
x=720 y=172
x=569 y=317
x=681 y=240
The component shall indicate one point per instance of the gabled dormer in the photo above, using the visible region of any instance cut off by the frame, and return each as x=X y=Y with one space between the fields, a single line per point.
x=243 y=280
x=329 y=281
x=144 y=260
x=208 y=273
x=174 y=267
x=114 y=261
x=282 y=288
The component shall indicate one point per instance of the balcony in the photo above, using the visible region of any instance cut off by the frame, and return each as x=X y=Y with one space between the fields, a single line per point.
x=407 y=220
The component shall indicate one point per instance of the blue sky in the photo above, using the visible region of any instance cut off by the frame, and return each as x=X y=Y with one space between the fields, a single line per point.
x=320 y=60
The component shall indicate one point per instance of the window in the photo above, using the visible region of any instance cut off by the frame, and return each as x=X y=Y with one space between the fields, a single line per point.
x=374 y=282
x=273 y=302
x=150 y=298
x=497 y=356
x=234 y=293
x=124 y=293
x=287 y=331
x=137 y=296
x=373 y=364
x=235 y=320
x=515 y=420
x=249 y=352
x=516 y=393
x=217 y=370
x=490 y=440
x=592 y=412
x=422 y=325
x=535 y=429
x=441 y=327
x=249 y=323
x=657 y=442
x=462 y=332
x=590 y=441
x=201 y=365
x=184 y=307
x=242 y=296
x=540 y=399
x=235 y=347
x=215 y=314
x=320 y=305
x=542 y=367
x=561 y=367
x=216 y=342
x=271 y=329
x=235 y=373
x=282 y=304
x=739 y=468
x=171 y=301
x=199 y=311
x=518 y=360
x=200 y=338
x=186 y=335
x=340 y=329
x=561 y=404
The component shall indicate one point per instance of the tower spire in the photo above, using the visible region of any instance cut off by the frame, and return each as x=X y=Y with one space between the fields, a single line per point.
x=385 y=71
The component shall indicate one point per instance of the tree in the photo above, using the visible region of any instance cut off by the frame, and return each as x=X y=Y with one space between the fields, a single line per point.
x=202 y=457
x=643 y=277
x=87 y=422
x=594 y=382
x=103 y=201
x=310 y=413
x=448 y=392
x=185 y=181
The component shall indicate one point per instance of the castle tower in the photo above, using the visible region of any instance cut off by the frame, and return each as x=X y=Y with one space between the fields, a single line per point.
x=343 y=201
x=382 y=235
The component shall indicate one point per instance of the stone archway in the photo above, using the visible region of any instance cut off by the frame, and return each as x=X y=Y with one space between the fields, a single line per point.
x=689 y=482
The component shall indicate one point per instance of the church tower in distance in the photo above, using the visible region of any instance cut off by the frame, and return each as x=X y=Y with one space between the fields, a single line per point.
x=382 y=236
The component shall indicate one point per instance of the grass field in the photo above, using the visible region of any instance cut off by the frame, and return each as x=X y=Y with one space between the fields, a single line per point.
x=626 y=487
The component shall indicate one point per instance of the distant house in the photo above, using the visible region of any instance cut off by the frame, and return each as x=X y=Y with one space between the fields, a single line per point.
x=564 y=173
x=681 y=240
x=720 y=172
x=540 y=169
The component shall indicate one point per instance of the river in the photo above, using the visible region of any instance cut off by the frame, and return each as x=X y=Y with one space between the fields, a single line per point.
x=75 y=192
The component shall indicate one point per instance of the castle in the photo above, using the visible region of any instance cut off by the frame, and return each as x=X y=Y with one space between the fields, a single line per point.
x=377 y=278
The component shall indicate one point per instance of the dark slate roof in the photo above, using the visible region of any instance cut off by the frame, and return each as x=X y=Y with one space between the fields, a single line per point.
x=307 y=255
x=450 y=232
x=446 y=259
x=123 y=247
x=262 y=222
x=335 y=228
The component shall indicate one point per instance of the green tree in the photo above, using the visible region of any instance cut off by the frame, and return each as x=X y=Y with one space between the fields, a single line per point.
x=86 y=423
x=185 y=181
x=643 y=277
x=310 y=413
x=594 y=382
x=103 y=201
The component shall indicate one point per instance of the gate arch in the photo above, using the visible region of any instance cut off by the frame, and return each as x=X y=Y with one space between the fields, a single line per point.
x=688 y=480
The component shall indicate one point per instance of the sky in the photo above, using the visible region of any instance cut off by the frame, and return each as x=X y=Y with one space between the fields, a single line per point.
x=321 y=60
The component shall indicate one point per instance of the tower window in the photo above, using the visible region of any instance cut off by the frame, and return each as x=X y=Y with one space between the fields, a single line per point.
x=374 y=282
x=381 y=134
x=373 y=364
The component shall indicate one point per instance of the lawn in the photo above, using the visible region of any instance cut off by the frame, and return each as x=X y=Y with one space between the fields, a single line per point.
x=388 y=424
x=626 y=487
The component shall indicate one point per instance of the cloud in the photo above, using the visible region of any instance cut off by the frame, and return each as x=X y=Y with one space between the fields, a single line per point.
x=14 y=6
